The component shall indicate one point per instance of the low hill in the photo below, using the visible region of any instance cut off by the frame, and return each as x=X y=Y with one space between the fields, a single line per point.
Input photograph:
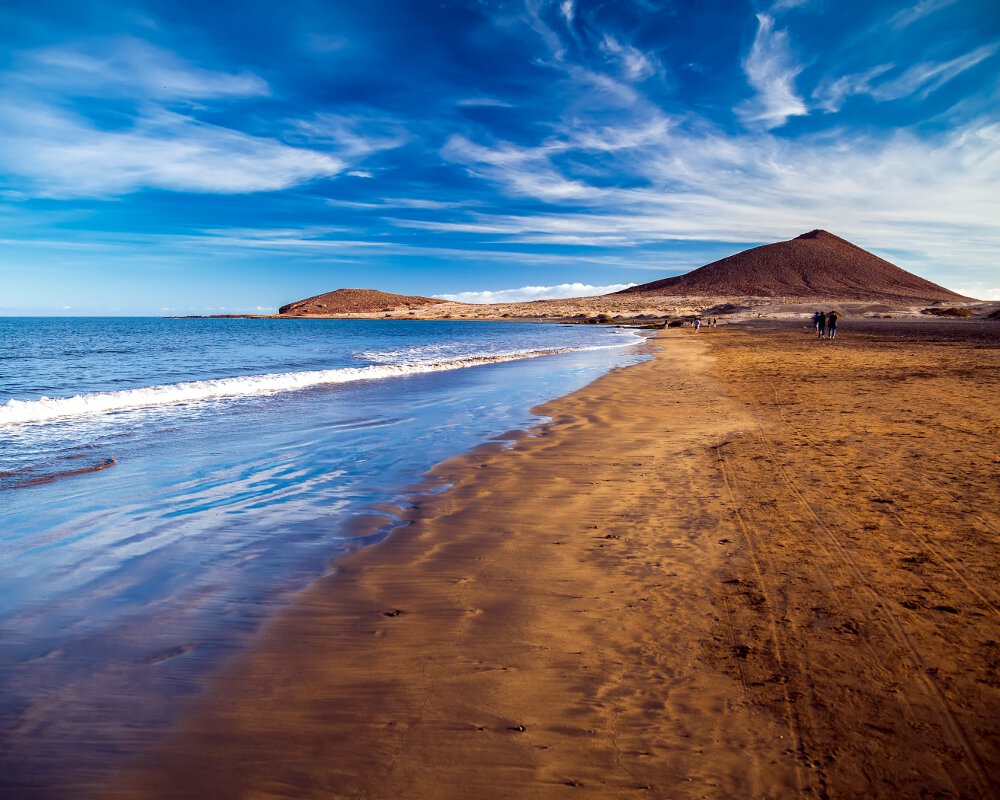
x=354 y=301
x=814 y=265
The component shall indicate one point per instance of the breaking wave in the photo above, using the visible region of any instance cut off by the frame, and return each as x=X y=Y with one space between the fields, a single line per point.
x=19 y=412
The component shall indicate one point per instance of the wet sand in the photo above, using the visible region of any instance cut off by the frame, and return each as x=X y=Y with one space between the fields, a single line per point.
x=756 y=565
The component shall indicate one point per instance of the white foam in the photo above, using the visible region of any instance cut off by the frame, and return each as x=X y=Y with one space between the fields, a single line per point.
x=19 y=412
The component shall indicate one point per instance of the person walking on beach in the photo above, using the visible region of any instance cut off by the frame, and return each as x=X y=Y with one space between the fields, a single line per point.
x=816 y=322
x=831 y=324
x=820 y=323
x=697 y=324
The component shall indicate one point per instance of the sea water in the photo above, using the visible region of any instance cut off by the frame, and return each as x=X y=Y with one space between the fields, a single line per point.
x=166 y=484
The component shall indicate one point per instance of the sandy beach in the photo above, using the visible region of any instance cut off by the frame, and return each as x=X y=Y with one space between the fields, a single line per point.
x=755 y=565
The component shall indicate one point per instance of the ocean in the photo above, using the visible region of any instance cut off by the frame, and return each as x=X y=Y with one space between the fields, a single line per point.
x=167 y=484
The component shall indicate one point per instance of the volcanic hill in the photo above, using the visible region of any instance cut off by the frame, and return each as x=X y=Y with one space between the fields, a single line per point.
x=814 y=265
x=354 y=301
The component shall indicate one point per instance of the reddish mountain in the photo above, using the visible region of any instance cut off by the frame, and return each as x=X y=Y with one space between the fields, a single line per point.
x=353 y=301
x=814 y=265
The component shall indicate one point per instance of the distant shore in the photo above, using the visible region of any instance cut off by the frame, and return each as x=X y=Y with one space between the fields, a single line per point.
x=653 y=310
x=755 y=565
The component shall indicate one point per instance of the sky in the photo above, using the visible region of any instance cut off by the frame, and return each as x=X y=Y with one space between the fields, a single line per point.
x=175 y=157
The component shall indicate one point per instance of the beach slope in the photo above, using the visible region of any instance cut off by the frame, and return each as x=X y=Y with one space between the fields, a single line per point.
x=754 y=565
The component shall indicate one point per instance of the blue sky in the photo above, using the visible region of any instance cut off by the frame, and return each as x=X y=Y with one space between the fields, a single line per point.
x=178 y=157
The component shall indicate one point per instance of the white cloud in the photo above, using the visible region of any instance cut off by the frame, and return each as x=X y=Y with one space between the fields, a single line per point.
x=979 y=290
x=923 y=78
x=483 y=102
x=568 y=9
x=928 y=77
x=785 y=5
x=831 y=93
x=635 y=64
x=526 y=171
x=133 y=68
x=686 y=181
x=906 y=17
x=63 y=155
x=771 y=70
x=528 y=293
x=351 y=137
x=359 y=173
x=157 y=140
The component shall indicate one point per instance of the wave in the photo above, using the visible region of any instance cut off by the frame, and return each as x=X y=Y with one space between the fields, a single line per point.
x=45 y=409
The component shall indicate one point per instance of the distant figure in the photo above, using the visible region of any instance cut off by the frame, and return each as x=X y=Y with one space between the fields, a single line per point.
x=697 y=324
x=820 y=323
x=816 y=317
x=831 y=324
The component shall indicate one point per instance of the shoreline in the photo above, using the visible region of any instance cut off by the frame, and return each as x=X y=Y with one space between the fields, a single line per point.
x=107 y=692
x=633 y=599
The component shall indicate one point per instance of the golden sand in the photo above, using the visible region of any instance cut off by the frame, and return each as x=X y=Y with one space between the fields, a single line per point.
x=752 y=566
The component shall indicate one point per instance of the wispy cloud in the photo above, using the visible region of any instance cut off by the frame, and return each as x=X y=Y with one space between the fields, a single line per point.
x=906 y=17
x=771 y=69
x=920 y=79
x=693 y=183
x=131 y=67
x=634 y=64
x=352 y=137
x=568 y=9
x=786 y=5
x=156 y=137
x=483 y=102
x=928 y=77
x=526 y=171
x=831 y=93
x=529 y=293
x=58 y=154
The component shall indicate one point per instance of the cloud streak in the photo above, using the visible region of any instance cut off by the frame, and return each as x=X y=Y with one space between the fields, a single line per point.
x=529 y=293
x=61 y=155
x=906 y=17
x=920 y=79
x=133 y=68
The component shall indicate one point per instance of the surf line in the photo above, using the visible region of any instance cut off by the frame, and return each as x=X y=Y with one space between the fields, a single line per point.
x=45 y=409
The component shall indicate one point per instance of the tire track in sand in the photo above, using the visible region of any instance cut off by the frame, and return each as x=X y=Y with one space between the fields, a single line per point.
x=889 y=621
x=879 y=490
x=791 y=714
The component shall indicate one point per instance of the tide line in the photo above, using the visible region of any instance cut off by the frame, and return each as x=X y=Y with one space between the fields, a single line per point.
x=45 y=409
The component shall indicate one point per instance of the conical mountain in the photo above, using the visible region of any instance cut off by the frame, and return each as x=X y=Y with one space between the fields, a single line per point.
x=814 y=265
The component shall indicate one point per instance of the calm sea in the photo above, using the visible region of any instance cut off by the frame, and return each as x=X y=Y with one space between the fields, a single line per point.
x=166 y=484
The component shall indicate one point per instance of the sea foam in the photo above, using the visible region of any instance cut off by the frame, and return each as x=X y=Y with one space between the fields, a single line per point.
x=20 y=412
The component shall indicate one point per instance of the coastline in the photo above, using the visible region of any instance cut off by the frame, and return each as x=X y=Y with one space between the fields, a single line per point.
x=228 y=527
x=680 y=586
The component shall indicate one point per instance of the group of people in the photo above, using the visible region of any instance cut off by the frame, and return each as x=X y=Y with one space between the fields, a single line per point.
x=825 y=324
x=713 y=322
